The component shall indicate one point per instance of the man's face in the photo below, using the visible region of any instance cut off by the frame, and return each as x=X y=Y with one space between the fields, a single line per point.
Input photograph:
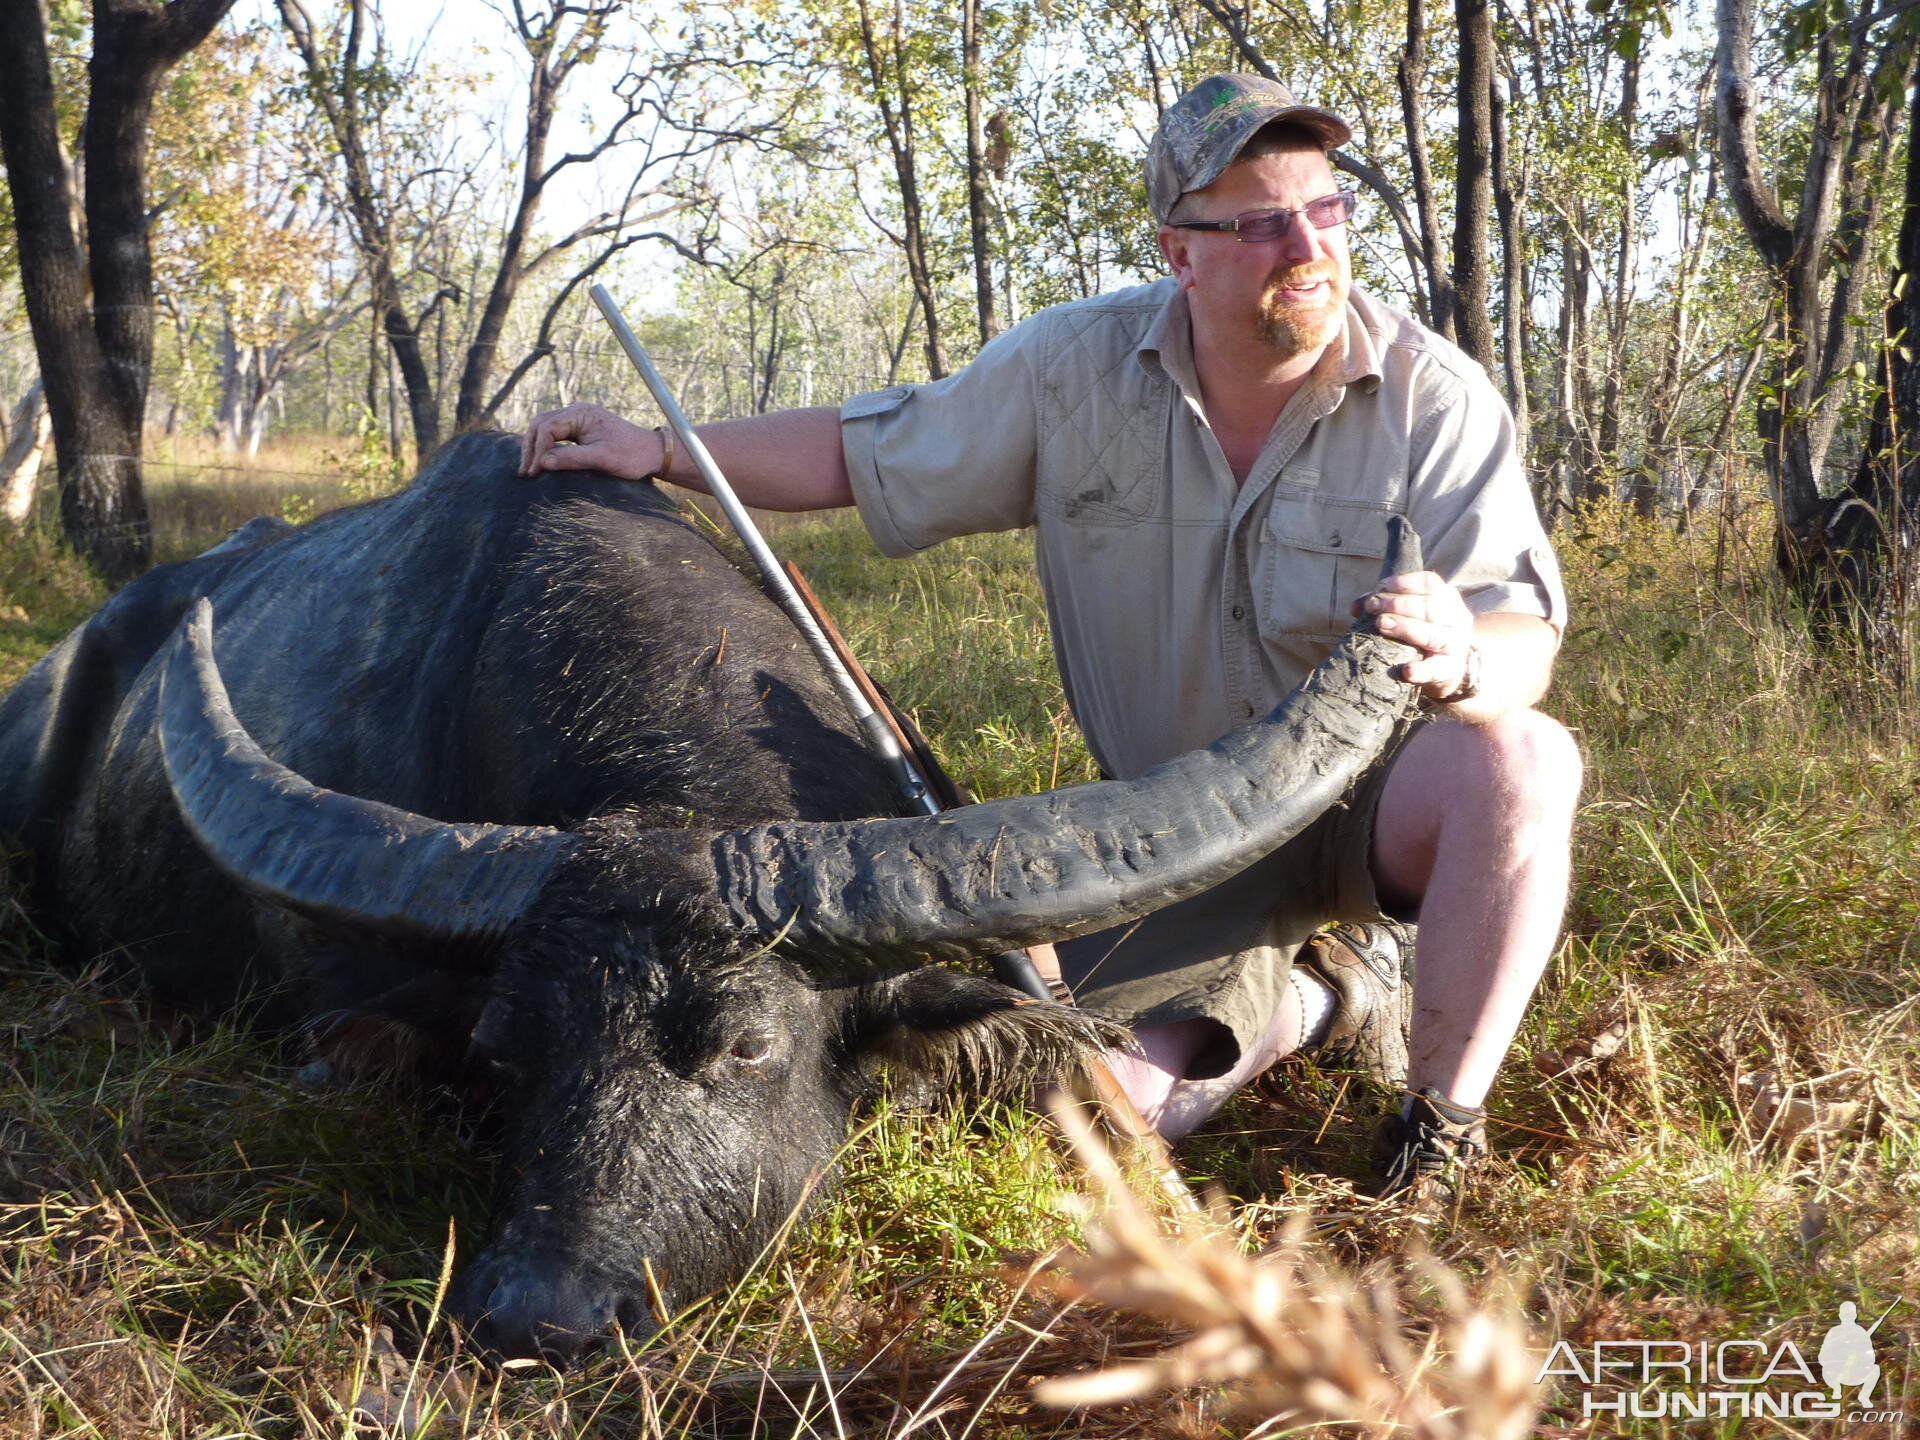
x=1290 y=292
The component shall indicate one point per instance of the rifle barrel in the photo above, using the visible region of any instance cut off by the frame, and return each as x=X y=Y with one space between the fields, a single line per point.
x=913 y=788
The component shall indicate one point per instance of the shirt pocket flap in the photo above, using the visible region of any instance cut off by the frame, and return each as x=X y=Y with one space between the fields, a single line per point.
x=875 y=402
x=1328 y=527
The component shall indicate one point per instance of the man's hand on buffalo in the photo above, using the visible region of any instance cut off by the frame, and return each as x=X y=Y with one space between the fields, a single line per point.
x=590 y=437
x=787 y=460
x=1424 y=611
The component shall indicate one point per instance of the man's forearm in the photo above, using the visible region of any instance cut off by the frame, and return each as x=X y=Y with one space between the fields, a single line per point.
x=1516 y=664
x=787 y=460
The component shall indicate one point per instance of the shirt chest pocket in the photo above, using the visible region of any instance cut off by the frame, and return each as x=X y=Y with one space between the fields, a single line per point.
x=1319 y=554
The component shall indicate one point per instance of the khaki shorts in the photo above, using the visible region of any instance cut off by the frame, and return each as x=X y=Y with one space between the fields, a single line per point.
x=1224 y=954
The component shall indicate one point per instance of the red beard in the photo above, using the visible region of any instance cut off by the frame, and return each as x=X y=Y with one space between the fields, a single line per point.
x=1295 y=326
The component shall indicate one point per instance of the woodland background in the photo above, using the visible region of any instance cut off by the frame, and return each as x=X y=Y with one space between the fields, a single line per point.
x=1672 y=231
x=257 y=257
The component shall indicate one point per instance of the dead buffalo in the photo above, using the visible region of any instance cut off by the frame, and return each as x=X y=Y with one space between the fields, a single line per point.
x=522 y=776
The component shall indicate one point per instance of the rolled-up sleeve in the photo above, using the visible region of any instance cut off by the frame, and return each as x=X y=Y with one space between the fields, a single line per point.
x=954 y=457
x=1470 y=502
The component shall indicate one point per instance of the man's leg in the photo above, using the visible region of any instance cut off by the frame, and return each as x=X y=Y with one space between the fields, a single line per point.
x=1155 y=1079
x=1469 y=835
x=1472 y=829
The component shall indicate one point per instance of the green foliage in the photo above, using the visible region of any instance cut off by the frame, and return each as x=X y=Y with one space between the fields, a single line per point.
x=372 y=468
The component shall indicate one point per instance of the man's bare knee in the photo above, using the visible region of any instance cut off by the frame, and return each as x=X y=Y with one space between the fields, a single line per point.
x=1518 y=774
x=1528 y=756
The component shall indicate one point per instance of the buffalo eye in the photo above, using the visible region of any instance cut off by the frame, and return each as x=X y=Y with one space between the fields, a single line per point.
x=751 y=1050
x=502 y=1073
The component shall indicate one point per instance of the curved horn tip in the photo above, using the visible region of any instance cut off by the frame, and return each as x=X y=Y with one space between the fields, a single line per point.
x=330 y=856
x=1404 y=554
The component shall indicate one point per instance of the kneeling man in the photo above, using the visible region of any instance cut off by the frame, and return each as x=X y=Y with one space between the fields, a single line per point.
x=1208 y=463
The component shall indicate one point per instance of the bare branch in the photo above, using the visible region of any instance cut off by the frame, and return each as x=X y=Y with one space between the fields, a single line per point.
x=543 y=343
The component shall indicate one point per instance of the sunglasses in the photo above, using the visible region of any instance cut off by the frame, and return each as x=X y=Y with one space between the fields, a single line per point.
x=1258 y=226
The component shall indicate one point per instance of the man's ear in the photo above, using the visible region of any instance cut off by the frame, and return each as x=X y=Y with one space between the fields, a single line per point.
x=959 y=1035
x=1173 y=249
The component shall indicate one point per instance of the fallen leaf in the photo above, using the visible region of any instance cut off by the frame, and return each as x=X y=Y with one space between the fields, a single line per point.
x=1580 y=1055
x=1813 y=1222
x=119 y=1022
x=406 y=1398
x=1782 y=1118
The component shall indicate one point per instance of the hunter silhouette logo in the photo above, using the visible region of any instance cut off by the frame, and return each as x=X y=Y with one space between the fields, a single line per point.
x=1694 y=1379
x=1846 y=1355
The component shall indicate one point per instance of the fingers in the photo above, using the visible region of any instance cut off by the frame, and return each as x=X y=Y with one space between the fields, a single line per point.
x=1441 y=667
x=1438 y=676
x=579 y=457
x=585 y=437
x=1422 y=596
x=1414 y=582
x=1430 y=637
x=1407 y=593
x=1422 y=610
x=551 y=428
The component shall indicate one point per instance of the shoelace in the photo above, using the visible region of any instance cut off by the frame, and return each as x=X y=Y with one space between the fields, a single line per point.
x=1428 y=1150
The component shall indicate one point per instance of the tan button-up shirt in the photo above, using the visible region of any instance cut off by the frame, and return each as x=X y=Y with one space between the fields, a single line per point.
x=1182 y=603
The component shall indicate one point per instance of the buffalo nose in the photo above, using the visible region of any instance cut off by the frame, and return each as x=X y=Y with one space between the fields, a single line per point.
x=539 y=1317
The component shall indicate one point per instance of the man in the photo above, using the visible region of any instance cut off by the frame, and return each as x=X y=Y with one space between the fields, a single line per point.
x=1208 y=463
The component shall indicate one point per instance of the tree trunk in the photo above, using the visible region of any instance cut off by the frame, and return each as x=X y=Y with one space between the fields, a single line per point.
x=1665 y=408
x=95 y=351
x=338 y=97
x=1509 y=200
x=1411 y=76
x=1799 y=410
x=1872 y=533
x=893 y=95
x=1584 y=480
x=547 y=74
x=1473 y=187
x=238 y=367
x=1644 y=491
x=977 y=201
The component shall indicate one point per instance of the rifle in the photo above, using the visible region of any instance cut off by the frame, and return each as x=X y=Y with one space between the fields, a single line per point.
x=888 y=738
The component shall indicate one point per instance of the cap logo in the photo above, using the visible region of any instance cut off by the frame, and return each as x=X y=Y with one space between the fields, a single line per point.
x=1228 y=106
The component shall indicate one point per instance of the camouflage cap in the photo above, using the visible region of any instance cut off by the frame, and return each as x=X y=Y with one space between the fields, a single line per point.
x=1205 y=129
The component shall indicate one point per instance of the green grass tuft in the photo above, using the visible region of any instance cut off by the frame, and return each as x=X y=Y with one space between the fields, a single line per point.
x=192 y=1245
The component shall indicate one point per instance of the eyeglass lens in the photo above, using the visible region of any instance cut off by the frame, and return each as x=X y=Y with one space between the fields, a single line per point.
x=1322 y=214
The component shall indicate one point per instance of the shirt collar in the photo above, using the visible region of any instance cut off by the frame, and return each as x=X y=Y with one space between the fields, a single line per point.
x=1362 y=353
x=1167 y=347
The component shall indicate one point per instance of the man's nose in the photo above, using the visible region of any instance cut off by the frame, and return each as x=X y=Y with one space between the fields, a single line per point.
x=1299 y=244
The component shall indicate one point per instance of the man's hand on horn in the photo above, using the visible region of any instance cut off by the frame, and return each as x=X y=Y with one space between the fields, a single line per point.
x=590 y=437
x=1424 y=611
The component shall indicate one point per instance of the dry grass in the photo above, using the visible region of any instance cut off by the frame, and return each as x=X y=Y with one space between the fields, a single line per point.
x=1288 y=1336
x=1710 y=1127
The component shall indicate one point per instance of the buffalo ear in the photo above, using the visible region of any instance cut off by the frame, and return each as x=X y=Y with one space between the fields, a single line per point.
x=413 y=1036
x=949 y=1035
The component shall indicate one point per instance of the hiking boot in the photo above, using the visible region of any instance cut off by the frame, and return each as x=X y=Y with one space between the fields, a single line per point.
x=1369 y=968
x=1426 y=1150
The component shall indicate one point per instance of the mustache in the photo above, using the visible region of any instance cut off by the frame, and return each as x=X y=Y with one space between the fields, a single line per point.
x=1299 y=275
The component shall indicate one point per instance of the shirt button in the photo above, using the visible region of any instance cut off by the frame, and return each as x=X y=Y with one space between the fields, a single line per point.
x=1246 y=709
x=1238 y=613
x=1334 y=540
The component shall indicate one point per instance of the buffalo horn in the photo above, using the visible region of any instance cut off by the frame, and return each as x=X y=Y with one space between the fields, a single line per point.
x=331 y=857
x=1047 y=867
